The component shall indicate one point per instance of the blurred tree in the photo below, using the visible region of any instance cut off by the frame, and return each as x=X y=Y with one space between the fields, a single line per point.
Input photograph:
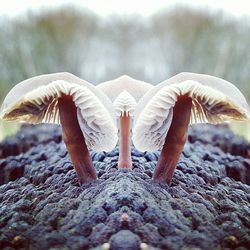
x=99 y=49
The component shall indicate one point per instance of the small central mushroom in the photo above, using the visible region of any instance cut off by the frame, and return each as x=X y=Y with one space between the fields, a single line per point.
x=125 y=92
x=124 y=105
x=84 y=112
x=163 y=115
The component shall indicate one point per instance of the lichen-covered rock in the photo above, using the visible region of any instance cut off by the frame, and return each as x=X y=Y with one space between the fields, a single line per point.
x=42 y=205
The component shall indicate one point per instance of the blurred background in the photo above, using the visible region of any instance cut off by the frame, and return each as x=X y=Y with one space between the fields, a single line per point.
x=101 y=40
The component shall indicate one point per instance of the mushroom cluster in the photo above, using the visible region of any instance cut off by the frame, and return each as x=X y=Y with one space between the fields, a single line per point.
x=91 y=116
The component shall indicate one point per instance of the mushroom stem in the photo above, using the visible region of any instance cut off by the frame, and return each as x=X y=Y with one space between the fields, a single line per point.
x=174 y=141
x=125 y=160
x=74 y=140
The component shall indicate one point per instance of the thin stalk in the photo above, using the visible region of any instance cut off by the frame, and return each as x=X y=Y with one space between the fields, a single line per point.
x=125 y=160
x=75 y=141
x=174 y=141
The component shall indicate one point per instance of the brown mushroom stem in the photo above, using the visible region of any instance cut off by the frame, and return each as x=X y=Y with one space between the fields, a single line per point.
x=174 y=142
x=125 y=160
x=74 y=140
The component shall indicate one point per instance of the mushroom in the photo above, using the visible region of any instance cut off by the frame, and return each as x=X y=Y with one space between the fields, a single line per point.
x=84 y=112
x=124 y=92
x=163 y=115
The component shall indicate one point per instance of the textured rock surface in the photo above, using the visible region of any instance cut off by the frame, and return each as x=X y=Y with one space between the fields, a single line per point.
x=43 y=207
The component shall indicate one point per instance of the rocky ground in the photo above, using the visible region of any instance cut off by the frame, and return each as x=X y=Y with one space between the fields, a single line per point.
x=43 y=207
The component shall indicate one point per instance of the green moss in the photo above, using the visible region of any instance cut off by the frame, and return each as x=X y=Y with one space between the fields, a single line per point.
x=7 y=129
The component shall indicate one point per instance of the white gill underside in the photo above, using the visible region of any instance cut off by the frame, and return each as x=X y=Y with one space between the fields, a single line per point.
x=208 y=105
x=124 y=102
x=41 y=106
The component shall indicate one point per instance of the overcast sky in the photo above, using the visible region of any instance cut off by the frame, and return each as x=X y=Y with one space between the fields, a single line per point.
x=106 y=7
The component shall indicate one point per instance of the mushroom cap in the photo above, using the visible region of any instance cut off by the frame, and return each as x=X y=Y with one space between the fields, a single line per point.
x=214 y=100
x=115 y=87
x=35 y=100
x=124 y=102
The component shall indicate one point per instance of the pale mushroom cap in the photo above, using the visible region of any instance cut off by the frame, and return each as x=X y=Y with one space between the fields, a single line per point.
x=35 y=100
x=124 y=102
x=214 y=100
x=135 y=88
x=30 y=84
